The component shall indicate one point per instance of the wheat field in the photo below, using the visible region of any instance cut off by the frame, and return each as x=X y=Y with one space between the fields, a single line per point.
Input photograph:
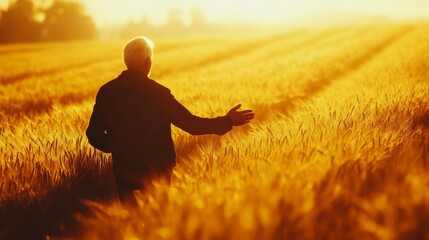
x=338 y=148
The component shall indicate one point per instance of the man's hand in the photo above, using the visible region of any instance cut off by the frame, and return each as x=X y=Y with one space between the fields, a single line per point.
x=240 y=117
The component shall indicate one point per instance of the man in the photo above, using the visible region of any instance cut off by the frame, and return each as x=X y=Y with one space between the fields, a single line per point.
x=132 y=119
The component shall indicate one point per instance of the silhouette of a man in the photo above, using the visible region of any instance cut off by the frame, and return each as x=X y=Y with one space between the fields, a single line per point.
x=132 y=119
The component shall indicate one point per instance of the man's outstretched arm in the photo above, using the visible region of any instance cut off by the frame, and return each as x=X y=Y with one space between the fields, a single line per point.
x=184 y=119
x=239 y=118
x=96 y=131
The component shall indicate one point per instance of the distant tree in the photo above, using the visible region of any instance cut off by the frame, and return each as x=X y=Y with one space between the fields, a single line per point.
x=175 y=20
x=18 y=24
x=132 y=29
x=66 y=20
x=198 y=19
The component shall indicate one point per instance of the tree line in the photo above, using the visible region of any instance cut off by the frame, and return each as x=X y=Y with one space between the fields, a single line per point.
x=62 y=20
x=174 y=24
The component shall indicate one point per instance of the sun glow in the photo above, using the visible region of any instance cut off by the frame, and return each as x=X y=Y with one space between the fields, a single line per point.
x=112 y=12
x=253 y=11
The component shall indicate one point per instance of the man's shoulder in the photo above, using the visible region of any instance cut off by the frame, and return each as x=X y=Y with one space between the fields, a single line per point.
x=111 y=83
x=158 y=87
x=109 y=86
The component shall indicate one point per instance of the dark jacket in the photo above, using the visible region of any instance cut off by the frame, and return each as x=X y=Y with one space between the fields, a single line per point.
x=131 y=119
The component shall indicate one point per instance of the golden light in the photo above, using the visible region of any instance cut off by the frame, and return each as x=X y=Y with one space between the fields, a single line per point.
x=338 y=148
x=253 y=11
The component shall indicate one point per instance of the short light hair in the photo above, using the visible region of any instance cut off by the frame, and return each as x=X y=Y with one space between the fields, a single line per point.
x=137 y=50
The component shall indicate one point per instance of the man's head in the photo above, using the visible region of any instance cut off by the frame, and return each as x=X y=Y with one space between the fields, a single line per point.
x=138 y=54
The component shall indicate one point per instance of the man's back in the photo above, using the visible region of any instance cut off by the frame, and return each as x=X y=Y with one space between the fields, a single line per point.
x=134 y=112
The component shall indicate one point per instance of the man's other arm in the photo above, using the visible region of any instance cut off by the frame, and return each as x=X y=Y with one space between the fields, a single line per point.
x=97 y=128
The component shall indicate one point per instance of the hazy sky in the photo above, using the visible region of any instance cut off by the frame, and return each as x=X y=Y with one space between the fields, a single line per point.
x=119 y=11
